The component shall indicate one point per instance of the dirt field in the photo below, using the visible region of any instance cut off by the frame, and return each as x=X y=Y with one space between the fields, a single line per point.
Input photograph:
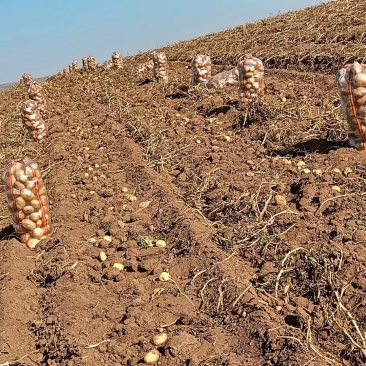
x=267 y=259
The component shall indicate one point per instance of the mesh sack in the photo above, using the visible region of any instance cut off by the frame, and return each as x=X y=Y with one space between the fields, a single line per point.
x=201 y=69
x=35 y=92
x=351 y=83
x=145 y=66
x=160 y=63
x=92 y=65
x=117 y=61
x=74 y=66
x=85 y=63
x=27 y=201
x=27 y=79
x=250 y=77
x=33 y=119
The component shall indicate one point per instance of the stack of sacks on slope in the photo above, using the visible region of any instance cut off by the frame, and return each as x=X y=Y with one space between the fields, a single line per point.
x=251 y=86
x=351 y=83
x=224 y=78
x=73 y=66
x=33 y=119
x=160 y=67
x=201 y=69
x=92 y=65
x=27 y=201
x=117 y=61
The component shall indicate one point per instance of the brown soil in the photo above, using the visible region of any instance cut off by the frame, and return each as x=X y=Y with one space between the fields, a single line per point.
x=267 y=262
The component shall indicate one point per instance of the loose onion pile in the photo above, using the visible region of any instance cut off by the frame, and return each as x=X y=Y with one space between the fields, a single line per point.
x=144 y=66
x=92 y=65
x=35 y=92
x=73 y=66
x=117 y=61
x=27 y=201
x=33 y=120
x=224 y=78
x=201 y=69
x=160 y=67
x=351 y=83
x=251 y=86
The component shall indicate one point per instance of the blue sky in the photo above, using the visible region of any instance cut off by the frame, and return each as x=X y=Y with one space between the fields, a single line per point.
x=41 y=37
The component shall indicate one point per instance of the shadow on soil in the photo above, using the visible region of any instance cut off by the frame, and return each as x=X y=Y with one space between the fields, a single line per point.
x=319 y=146
x=8 y=233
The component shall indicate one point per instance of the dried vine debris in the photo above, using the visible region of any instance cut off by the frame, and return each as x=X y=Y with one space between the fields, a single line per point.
x=145 y=66
x=117 y=61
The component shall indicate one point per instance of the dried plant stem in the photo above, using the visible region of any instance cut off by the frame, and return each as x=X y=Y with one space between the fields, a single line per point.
x=282 y=270
x=95 y=345
x=9 y=363
x=362 y=346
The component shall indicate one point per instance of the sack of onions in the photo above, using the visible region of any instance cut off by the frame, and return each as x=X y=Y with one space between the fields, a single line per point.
x=73 y=66
x=92 y=65
x=84 y=61
x=201 y=69
x=33 y=119
x=117 y=60
x=27 y=79
x=351 y=83
x=160 y=64
x=27 y=201
x=35 y=92
x=250 y=75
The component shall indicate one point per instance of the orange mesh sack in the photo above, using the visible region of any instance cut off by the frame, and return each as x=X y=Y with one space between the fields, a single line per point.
x=117 y=60
x=160 y=67
x=201 y=69
x=250 y=75
x=35 y=92
x=351 y=83
x=33 y=120
x=27 y=201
